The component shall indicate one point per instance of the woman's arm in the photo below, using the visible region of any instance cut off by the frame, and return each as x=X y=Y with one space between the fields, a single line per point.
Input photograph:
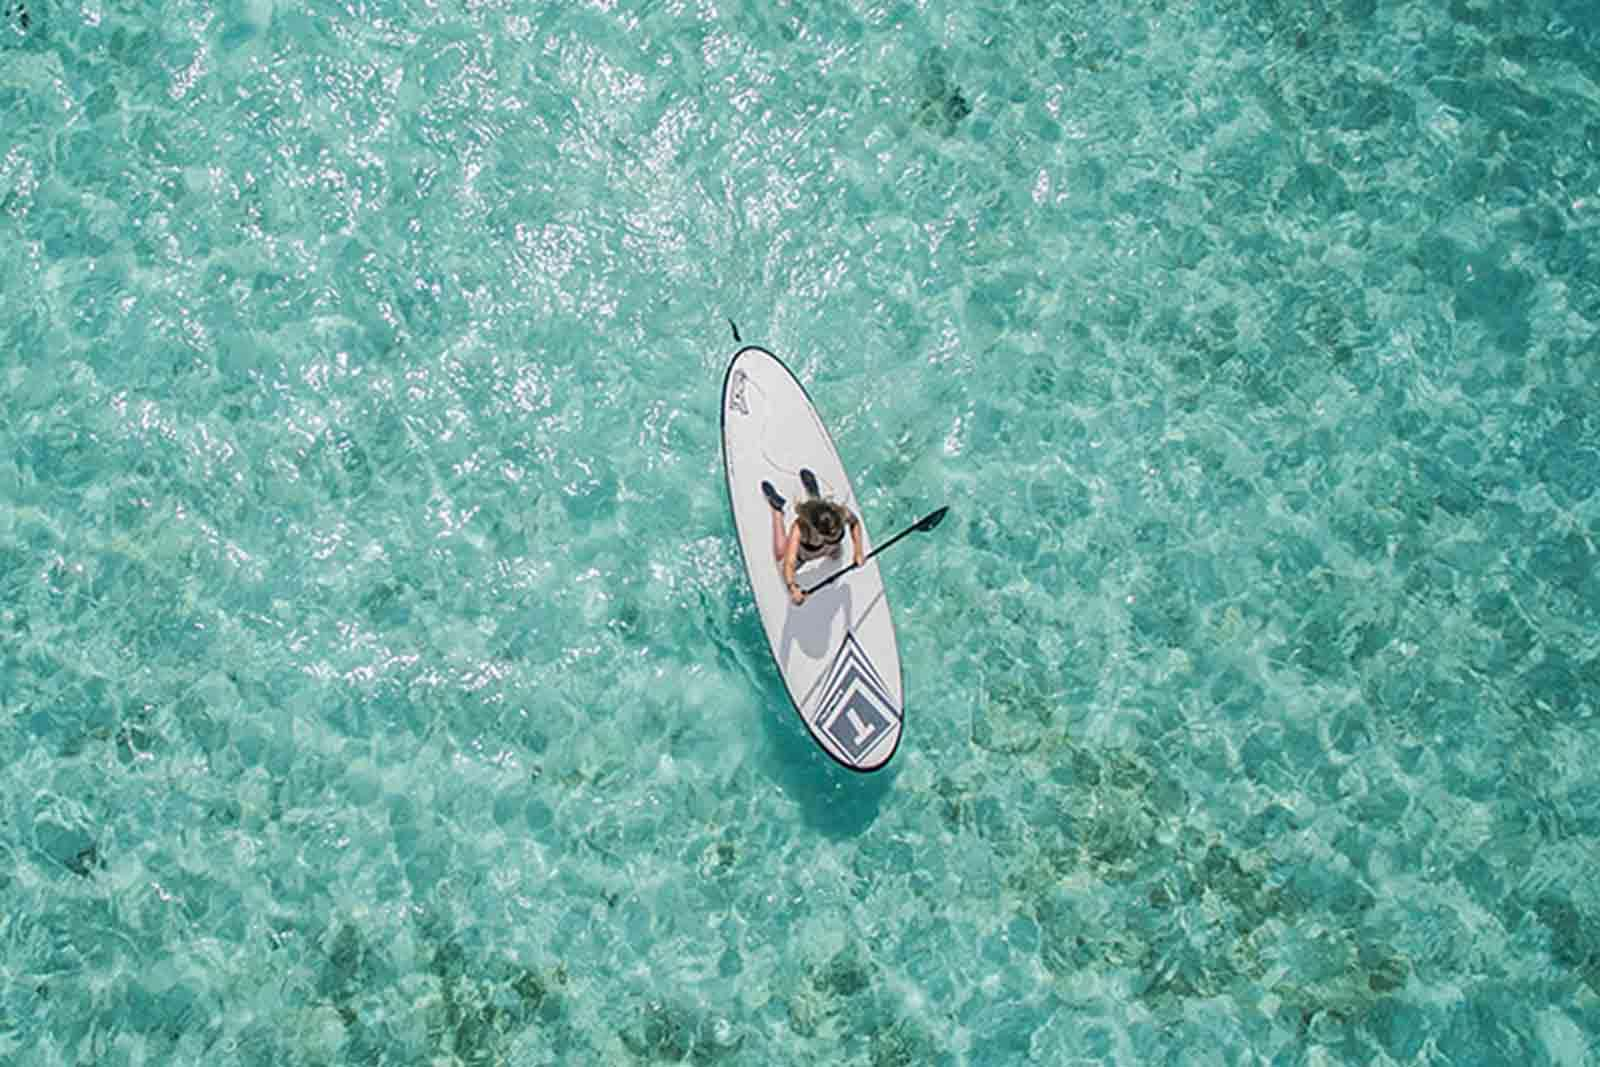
x=855 y=538
x=791 y=558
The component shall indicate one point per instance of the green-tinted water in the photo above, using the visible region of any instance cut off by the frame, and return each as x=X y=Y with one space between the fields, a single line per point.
x=379 y=682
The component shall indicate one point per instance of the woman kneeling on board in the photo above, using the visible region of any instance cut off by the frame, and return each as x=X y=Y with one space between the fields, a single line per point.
x=818 y=531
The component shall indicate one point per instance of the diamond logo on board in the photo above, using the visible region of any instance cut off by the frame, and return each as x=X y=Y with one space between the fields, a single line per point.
x=856 y=710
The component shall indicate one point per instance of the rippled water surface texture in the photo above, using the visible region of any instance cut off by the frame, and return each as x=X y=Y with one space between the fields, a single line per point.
x=379 y=679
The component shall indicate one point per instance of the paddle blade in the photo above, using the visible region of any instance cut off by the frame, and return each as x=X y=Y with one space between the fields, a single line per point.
x=933 y=519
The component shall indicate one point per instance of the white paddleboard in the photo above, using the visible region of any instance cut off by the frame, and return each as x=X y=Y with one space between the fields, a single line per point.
x=837 y=651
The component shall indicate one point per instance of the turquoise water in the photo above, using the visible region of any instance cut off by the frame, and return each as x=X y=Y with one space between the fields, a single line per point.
x=379 y=683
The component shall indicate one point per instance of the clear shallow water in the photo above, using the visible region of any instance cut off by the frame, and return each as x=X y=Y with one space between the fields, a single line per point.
x=379 y=683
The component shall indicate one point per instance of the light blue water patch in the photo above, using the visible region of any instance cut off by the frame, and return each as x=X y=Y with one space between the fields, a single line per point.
x=380 y=682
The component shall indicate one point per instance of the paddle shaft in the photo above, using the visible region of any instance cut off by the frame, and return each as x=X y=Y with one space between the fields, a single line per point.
x=927 y=522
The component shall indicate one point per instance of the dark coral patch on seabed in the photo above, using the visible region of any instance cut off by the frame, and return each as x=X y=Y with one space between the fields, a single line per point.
x=941 y=104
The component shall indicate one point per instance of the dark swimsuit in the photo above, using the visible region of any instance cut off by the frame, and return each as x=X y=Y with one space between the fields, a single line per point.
x=810 y=551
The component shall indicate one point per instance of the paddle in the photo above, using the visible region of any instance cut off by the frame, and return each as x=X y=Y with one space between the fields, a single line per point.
x=922 y=525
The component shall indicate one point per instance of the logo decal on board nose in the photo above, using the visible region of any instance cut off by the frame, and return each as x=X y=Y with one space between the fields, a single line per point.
x=736 y=399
